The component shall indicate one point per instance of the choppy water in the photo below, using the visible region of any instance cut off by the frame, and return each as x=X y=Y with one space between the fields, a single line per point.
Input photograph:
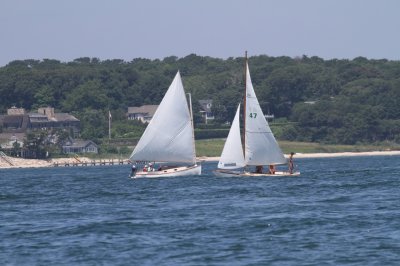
x=339 y=211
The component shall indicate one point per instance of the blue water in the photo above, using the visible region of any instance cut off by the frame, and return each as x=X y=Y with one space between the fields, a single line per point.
x=340 y=211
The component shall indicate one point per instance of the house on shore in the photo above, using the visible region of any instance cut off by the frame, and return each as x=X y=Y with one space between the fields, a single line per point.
x=15 y=125
x=17 y=120
x=206 y=110
x=11 y=140
x=46 y=118
x=79 y=146
x=143 y=113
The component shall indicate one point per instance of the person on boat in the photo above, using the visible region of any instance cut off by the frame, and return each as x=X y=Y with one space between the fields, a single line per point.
x=291 y=164
x=259 y=169
x=133 y=170
x=272 y=169
x=145 y=168
x=151 y=168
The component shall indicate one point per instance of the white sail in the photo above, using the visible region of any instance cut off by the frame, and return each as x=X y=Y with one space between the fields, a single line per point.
x=261 y=147
x=232 y=154
x=169 y=135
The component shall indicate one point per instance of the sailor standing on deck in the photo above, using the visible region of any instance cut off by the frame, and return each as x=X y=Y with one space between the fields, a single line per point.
x=133 y=172
x=291 y=164
x=272 y=169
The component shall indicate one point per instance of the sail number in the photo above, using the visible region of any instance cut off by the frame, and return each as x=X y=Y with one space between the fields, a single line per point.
x=253 y=115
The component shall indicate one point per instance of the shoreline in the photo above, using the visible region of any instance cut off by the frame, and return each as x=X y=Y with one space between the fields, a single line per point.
x=34 y=163
x=322 y=155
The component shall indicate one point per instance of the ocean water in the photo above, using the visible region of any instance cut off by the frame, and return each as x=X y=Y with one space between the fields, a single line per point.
x=340 y=211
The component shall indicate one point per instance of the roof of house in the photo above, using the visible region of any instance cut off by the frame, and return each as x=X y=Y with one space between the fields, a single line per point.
x=58 y=117
x=205 y=105
x=144 y=109
x=35 y=117
x=64 y=117
x=80 y=144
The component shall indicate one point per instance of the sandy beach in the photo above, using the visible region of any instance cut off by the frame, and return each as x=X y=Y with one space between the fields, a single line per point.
x=32 y=163
x=11 y=162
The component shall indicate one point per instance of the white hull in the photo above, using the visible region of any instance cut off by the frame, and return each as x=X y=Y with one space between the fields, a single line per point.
x=277 y=173
x=232 y=173
x=227 y=173
x=176 y=171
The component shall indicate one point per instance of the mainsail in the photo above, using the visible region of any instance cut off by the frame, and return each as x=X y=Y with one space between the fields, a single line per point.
x=169 y=135
x=232 y=154
x=261 y=147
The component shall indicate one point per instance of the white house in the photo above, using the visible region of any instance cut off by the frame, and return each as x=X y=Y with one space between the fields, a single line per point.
x=80 y=146
x=205 y=111
x=143 y=113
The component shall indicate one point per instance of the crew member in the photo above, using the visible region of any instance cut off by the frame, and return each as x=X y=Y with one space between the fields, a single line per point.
x=259 y=169
x=133 y=172
x=291 y=164
x=272 y=169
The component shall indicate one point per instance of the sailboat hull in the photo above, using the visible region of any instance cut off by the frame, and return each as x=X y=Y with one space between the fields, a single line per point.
x=227 y=173
x=231 y=173
x=171 y=172
x=277 y=173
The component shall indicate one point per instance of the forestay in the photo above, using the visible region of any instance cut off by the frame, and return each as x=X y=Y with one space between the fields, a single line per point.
x=169 y=135
x=261 y=146
x=232 y=154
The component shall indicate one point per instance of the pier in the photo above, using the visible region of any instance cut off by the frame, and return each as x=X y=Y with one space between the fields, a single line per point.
x=5 y=158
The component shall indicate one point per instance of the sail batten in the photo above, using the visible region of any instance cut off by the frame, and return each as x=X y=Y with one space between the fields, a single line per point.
x=169 y=135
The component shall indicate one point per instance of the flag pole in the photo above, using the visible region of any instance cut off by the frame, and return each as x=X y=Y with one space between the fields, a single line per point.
x=109 y=125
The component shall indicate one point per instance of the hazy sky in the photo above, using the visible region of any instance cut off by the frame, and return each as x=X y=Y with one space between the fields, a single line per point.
x=127 y=29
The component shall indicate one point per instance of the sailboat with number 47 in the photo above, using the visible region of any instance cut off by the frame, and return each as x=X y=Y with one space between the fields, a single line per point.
x=260 y=146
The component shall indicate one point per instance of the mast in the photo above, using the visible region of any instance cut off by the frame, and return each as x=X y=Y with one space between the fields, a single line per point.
x=191 y=121
x=244 y=103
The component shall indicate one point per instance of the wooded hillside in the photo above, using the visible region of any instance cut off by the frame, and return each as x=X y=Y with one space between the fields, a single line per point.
x=331 y=101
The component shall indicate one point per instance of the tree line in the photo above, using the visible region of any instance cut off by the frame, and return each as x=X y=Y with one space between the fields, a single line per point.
x=331 y=101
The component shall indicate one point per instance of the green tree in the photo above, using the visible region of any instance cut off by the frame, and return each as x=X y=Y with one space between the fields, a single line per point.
x=44 y=97
x=91 y=94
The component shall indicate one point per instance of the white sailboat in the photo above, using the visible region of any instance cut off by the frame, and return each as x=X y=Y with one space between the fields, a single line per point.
x=261 y=147
x=169 y=137
x=232 y=157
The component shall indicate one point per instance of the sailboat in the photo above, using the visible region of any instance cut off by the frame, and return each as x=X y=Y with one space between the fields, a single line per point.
x=232 y=157
x=260 y=145
x=169 y=138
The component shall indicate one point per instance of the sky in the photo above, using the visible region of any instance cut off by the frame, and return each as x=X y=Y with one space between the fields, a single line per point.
x=126 y=29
